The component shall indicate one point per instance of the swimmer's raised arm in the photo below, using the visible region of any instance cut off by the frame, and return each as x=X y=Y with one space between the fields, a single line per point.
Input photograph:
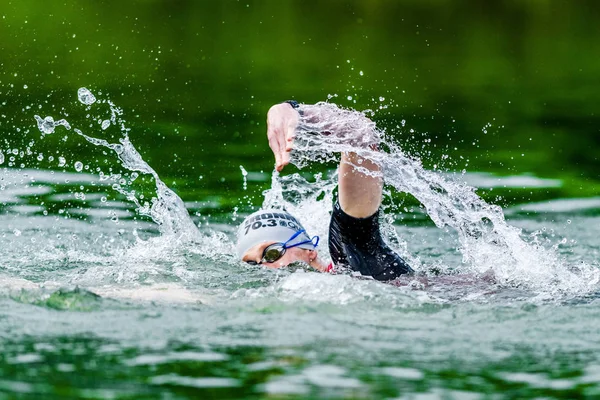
x=359 y=193
x=282 y=121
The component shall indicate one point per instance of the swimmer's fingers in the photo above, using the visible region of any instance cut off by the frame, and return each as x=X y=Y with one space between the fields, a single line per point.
x=285 y=151
x=276 y=135
x=275 y=146
x=282 y=120
x=291 y=124
x=290 y=132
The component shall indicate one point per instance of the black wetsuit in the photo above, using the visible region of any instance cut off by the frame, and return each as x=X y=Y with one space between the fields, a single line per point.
x=357 y=243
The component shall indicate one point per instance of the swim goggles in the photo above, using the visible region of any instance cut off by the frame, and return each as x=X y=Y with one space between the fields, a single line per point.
x=275 y=251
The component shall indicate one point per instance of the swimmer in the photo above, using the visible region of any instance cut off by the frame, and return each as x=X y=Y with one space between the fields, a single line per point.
x=275 y=239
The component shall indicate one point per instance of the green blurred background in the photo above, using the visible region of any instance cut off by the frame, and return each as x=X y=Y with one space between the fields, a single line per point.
x=507 y=87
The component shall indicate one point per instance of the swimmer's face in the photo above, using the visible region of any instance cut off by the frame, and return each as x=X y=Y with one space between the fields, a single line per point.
x=291 y=255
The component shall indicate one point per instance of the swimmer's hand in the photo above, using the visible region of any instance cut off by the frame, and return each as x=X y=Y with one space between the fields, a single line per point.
x=282 y=121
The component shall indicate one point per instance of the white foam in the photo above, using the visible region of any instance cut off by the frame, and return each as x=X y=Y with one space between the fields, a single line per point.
x=170 y=293
x=315 y=288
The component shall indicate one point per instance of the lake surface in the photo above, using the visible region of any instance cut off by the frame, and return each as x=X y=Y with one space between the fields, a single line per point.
x=98 y=301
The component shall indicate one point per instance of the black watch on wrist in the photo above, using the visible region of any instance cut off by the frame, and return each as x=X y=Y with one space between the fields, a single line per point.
x=295 y=105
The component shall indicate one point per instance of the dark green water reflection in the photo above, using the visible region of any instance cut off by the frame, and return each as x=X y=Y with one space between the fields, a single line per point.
x=506 y=87
x=87 y=367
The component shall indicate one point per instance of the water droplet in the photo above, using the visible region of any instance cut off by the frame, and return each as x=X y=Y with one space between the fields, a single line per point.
x=1 y=158
x=568 y=221
x=105 y=124
x=78 y=166
x=244 y=176
x=17 y=232
x=361 y=73
x=103 y=199
x=62 y=161
x=85 y=96
x=47 y=125
x=25 y=86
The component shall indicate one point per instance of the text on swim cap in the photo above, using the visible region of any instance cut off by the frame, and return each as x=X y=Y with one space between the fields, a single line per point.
x=266 y=220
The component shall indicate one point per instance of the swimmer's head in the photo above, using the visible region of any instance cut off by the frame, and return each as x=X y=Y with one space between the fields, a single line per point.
x=267 y=230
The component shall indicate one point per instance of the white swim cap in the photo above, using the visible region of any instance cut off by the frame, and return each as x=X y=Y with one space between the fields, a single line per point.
x=269 y=226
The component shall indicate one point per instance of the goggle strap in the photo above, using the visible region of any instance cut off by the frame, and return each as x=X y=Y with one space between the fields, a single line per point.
x=294 y=236
x=314 y=241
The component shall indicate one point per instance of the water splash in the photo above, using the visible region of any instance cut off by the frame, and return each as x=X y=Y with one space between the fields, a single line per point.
x=487 y=242
x=304 y=200
x=244 y=176
x=48 y=125
x=85 y=96
x=166 y=209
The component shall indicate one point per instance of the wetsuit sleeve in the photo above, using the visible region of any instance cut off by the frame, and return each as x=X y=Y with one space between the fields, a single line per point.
x=357 y=243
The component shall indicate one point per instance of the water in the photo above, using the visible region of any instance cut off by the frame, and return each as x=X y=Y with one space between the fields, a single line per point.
x=85 y=96
x=486 y=242
x=106 y=292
